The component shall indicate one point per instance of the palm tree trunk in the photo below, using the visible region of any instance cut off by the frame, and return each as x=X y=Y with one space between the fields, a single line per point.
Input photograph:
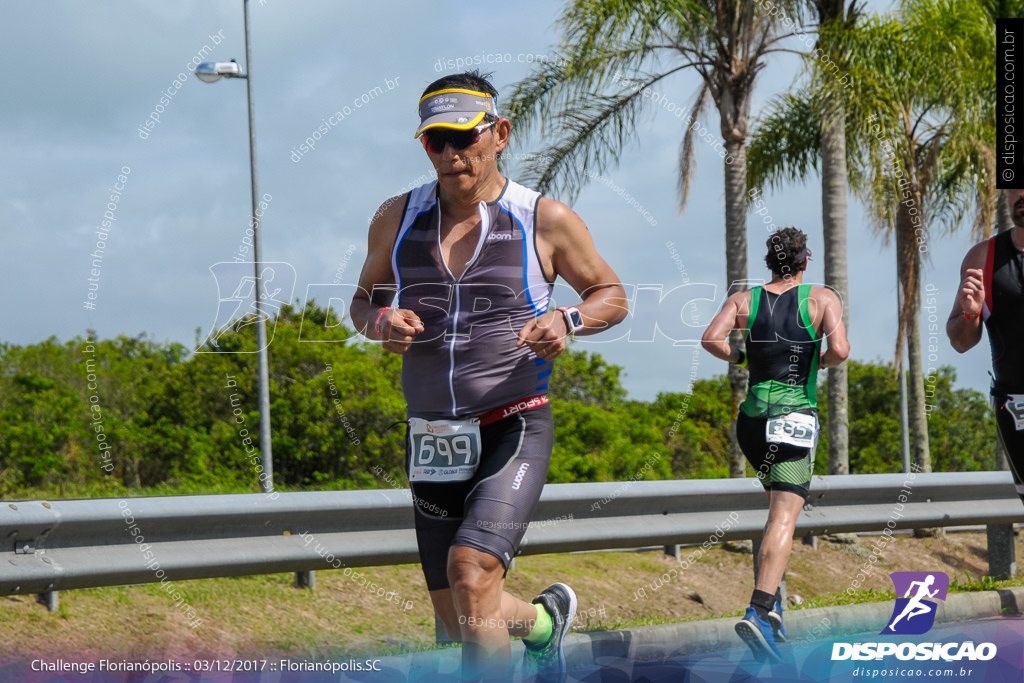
x=833 y=218
x=915 y=390
x=132 y=478
x=1003 y=220
x=916 y=415
x=910 y=277
x=736 y=272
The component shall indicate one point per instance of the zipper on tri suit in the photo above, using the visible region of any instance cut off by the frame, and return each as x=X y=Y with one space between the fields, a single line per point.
x=484 y=229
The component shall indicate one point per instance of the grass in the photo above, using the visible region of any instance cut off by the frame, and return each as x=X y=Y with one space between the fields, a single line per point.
x=985 y=583
x=968 y=585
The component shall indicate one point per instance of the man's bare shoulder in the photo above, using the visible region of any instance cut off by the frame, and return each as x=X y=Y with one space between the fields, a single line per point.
x=976 y=256
x=389 y=214
x=553 y=215
x=741 y=300
x=825 y=294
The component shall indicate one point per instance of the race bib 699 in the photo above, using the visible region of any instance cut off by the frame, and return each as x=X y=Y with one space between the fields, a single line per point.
x=443 y=450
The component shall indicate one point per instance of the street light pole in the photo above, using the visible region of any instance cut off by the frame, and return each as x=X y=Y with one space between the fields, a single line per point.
x=210 y=72
x=266 y=456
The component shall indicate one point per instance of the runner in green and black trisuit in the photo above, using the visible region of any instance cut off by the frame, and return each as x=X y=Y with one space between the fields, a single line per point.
x=992 y=291
x=785 y=322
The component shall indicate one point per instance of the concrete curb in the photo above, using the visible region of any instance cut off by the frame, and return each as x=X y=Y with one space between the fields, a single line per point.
x=697 y=637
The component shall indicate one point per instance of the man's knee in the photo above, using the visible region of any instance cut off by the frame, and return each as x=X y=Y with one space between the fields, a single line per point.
x=785 y=506
x=473 y=572
x=452 y=629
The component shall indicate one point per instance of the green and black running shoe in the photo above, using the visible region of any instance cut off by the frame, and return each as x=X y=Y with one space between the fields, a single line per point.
x=549 y=658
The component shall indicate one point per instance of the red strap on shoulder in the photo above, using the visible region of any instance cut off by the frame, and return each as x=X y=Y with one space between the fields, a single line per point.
x=990 y=260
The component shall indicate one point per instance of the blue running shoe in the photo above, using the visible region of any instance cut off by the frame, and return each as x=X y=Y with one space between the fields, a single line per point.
x=775 y=619
x=758 y=636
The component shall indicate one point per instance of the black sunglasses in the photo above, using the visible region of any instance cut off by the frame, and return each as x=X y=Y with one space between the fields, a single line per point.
x=434 y=140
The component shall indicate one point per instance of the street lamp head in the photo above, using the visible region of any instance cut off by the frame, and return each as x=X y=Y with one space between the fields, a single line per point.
x=208 y=72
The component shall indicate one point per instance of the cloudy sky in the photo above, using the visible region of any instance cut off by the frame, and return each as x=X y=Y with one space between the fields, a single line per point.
x=83 y=79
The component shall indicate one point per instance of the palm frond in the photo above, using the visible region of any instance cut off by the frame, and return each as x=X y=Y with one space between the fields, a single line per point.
x=686 y=149
x=557 y=83
x=785 y=145
x=590 y=97
x=589 y=137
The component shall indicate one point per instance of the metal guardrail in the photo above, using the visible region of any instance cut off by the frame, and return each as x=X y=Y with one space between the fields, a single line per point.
x=67 y=544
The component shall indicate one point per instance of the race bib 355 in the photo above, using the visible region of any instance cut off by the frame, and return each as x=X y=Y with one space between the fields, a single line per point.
x=795 y=429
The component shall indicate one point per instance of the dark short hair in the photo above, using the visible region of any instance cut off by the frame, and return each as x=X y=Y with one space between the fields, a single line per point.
x=787 y=252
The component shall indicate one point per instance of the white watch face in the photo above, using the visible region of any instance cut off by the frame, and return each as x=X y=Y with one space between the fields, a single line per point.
x=576 y=319
x=573 y=319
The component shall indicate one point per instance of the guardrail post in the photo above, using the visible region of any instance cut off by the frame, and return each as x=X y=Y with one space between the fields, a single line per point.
x=305 y=580
x=672 y=551
x=757 y=552
x=1002 y=560
x=440 y=633
x=51 y=599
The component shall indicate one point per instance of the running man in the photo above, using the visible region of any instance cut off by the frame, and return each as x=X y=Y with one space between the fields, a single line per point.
x=473 y=257
x=784 y=323
x=915 y=607
x=992 y=291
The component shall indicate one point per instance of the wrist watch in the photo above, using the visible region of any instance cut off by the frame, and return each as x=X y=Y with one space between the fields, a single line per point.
x=573 y=319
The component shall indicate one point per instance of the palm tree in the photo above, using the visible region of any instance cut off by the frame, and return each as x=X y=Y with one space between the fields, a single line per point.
x=833 y=19
x=613 y=56
x=916 y=130
x=935 y=114
x=766 y=168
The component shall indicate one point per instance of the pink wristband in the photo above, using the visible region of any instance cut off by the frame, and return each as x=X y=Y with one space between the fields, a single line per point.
x=380 y=316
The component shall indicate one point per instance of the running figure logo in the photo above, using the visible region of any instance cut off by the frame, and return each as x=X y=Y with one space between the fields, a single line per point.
x=914 y=614
x=236 y=299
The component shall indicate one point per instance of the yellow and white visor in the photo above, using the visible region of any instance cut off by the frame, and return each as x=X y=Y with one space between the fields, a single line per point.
x=455 y=108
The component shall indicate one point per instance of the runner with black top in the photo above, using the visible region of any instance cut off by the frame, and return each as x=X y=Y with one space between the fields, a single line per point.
x=992 y=291
x=472 y=257
x=784 y=324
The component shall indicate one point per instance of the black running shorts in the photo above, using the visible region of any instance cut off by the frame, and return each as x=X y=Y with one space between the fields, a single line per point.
x=1012 y=440
x=778 y=466
x=491 y=511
